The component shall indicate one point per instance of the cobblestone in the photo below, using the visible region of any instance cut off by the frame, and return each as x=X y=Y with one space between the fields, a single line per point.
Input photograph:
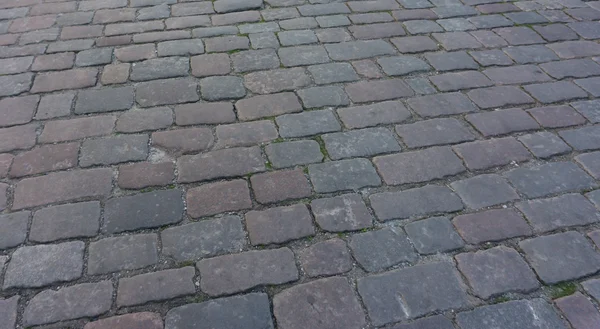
x=156 y=286
x=491 y=225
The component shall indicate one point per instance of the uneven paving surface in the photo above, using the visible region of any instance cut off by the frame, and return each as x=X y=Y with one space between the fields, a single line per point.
x=308 y=164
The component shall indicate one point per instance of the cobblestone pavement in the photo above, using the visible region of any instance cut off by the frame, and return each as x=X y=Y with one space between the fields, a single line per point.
x=314 y=164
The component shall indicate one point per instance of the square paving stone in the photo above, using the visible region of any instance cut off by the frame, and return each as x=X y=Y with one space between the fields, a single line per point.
x=555 y=91
x=522 y=314
x=143 y=210
x=556 y=177
x=402 y=65
x=351 y=174
x=496 y=271
x=427 y=200
x=289 y=154
x=561 y=257
x=325 y=303
x=238 y=272
x=346 y=212
x=374 y=114
x=421 y=86
x=14 y=229
x=492 y=153
x=544 y=144
x=412 y=292
x=360 y=143
x=457 y=60
x=590 y=162
x=307 y=123
x=559 y=212
x=488 y=38
x=582 y=139
x=205 y=238
x=434 y=132
x=303 y=55
x=580 y=312
x=326 y=258
x=278 y=225
x=251 y=311
x=418 y=166
x=491 y=225
x=484 y=191
x=441 y=104
x=433 y=235
x=381 y=249
x=41 y=265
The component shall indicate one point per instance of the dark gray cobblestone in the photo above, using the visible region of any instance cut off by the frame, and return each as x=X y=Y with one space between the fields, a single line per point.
x=292 y=148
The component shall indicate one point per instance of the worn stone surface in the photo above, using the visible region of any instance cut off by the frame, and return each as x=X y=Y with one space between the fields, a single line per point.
x=335 y=305
x=326 y=258
x=156 y=286
x=433 y=235
x=133 y=321
x=343 y=175
x=378 y=250
x=346 y=212
x=213 y=198
x=65 y=221
x=122 y=253
x=278 y=225
x=491 y=225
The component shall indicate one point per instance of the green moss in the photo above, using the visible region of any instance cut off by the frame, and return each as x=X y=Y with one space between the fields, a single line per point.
x=322 y=146
x=268 y=165
x=562 y=290
x=234 y=51
x=305 y=169
x=197 y=299
x=186 y=263
x=501 y=299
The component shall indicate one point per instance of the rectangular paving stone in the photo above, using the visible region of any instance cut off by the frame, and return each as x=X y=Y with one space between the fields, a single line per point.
x=280 y=185
x=516 y=74
x=229 y=162
x=323 y=96
x=239 y=272
x=441 y=104
x=526 y=314
x=254 y=60
x=373 y=114
x=377 y=31
x=572 y=68
x=307 y=123
x=414 y=44
x=381 y=249
x=69 y=79
x=589 y=109
x=273 y=81
x=104 y=100
x=342 y=175
x=426 y=200
x=378 y=90
x=561 y=257
x=14 y=228
x=323 y=9
x=137 y=120
x=169 y=91
x=359 y=49
x=214 y=198
x=204 y=113
x=456 y=60
x=220 y=88
x=226 y=43
x=491 y=225
x=591 y=85
x=289 y=154
x=530 y=54
x=491 y=57
x=342 y=213
x=122 y=253
x=590 y=162
x=555 y=91
x=460 y=80
x=418 y=166
x=225 y=6
x=55 y=105
x=65 y=221
x=360 y=143
x=562 y=211
x=402 y=65
x=502 y=122
x=62 y=186
x=580 y=312
x=135 y=53
x=72 y=129
x=423 y=289
x=493 y=271
x=113 y=150
x=160 y=68
x=332 y=73
x=544 y=144
x=550 y=178
x=279 y=225
x=210 y=64
x=180 y=47
x=498 y=96
x=44 y=158
x=205 y=238
x=145 y=174
x=68 y=303
x=433 y=235
x=575 y=49
x=519 y=35
x=156 y=286
x=8 y=310
x=245 y=134
x=326 y=258
x=145 y=210
x=492 y=153
x=42 y=265
x=484 y=191
x=251 y=311
x=18 y=137
x=184 y=140
x=434 y=132
x=53 y=62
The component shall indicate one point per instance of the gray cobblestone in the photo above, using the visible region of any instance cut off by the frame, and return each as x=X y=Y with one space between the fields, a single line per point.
x=492 y=153
x=307 y=123
x=360 y=143
x=433 y=235
x=434 y=132
x=346 y=212
x=278 y=225
x=343 y=175
x=378 y=250
x=65 y=221
x=156 y=286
